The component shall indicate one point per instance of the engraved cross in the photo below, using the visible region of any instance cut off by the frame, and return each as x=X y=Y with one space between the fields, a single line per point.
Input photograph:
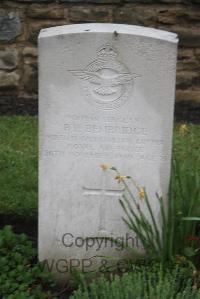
x=104 y=192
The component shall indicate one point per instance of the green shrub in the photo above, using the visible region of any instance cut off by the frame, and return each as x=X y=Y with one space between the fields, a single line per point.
x=179 y=236
x=20 y=276
x=142 y=283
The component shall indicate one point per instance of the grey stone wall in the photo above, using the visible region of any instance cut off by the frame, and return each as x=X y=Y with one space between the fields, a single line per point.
x=21 y=21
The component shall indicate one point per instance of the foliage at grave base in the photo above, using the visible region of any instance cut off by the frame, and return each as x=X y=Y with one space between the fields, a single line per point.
x=180 y=231
x=153 y=282
x=20 y=276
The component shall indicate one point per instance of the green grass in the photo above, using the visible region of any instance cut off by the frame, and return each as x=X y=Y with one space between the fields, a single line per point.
x=18 y=166
x=185 y=192
x=19 y=158
x=186 y=145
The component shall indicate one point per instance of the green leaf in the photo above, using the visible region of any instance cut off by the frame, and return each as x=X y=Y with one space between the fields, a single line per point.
x=191 y=218
x=189 y=252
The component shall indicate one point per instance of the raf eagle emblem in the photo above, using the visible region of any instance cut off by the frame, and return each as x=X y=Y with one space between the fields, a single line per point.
x=107 y=82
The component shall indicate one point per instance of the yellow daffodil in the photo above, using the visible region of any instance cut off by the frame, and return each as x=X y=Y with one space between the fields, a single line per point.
x=120 y=178
x=183 y=129
x=141 y=193
x=104 y=167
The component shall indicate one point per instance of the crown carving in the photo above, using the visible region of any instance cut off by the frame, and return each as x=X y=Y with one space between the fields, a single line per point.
x=107 y=52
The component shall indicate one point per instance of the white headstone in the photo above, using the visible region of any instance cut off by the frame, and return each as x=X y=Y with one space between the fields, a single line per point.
x=106 y=96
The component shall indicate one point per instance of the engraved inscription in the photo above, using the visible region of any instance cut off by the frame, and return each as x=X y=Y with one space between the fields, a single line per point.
x=104 y=192
x=107 y=82
x=104 y=137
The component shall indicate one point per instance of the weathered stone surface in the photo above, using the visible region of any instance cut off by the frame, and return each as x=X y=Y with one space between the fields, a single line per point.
x=188 y=95
x=12 y=105
x=30 y=51
x=135 y=14
x=177 y=15
x=189 y=36
x=92 y=1
x=85 y=13
x=188 y=60
x=45 y=12
x=8 y=59
x=104 y=98
x=30 y=79
x=22 y=20
x=36 y=1
x=8 y=80
x=187 y=111
x=156 y=14
x=186 y=79
x=197 y=54
x=34 y=29
x=30 y=69
x=185 y=54
x=111 y=1
x=9 y=25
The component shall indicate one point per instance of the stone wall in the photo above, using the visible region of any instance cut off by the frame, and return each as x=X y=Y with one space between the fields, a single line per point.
x=21 y=21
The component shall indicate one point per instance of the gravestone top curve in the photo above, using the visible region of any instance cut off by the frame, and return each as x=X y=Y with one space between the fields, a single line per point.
x=109 y=28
